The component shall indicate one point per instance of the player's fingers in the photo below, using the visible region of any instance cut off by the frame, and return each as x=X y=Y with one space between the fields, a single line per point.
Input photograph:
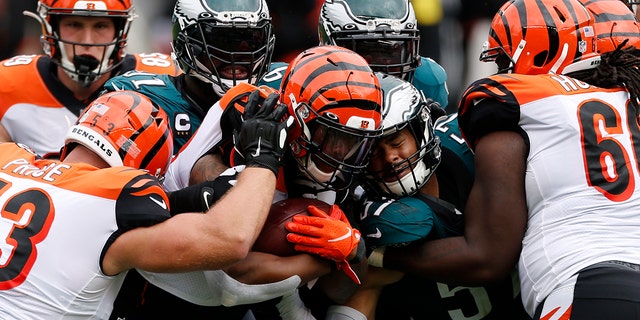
x=303 y=228
x=302 y=240
x=279 y=112
x=308 y=220
x=271 y=101
x=317 y=212
x=337 y=214
x=253 y=104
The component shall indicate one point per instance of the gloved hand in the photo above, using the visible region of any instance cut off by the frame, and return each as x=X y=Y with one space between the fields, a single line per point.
x=261 y=139
x=200 y=197
x=435 y=109
x=327 y=235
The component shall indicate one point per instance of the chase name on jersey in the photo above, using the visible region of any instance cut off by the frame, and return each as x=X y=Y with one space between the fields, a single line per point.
x=47 y=173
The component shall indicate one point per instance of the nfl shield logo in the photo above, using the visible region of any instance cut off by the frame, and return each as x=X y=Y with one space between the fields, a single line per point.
x=582 y=46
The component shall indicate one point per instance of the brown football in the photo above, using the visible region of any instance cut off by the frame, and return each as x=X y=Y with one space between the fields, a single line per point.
x=273 y=237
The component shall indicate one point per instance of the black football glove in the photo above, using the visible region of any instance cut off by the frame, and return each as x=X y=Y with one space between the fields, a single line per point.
x=263 y=134
x=200 y=197
x=435 y=109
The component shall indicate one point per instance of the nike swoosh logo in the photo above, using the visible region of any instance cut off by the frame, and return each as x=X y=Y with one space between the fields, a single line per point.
x=257 y=153
x=206 y=195
x=345 y=236
x=378 y=234
x=159 y=202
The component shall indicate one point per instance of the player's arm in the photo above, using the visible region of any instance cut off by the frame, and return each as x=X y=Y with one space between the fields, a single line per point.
x=495 y=221
x=195 y=241
x=261 y=268
x=207 y=168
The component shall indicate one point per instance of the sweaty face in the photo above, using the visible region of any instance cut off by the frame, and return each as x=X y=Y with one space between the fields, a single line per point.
x=86 y=36
x=390 y=155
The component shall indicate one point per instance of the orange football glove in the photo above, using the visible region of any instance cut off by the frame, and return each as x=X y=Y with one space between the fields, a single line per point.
x=327 y=235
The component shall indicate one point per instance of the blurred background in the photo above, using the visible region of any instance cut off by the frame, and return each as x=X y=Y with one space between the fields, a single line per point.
x=452 y=32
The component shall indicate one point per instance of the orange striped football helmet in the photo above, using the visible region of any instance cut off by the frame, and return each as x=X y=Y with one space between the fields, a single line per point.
x=615 y=22
x=124 y=128
x=83 y=70
x=336 y=101
x=536 y=37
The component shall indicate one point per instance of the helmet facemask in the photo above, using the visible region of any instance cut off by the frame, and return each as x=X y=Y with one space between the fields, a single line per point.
x=385 y=51
x=407 y=153
x=223 y=51
x=384 y=33
x=408 y=176
x=331 y=154
x=83 y=69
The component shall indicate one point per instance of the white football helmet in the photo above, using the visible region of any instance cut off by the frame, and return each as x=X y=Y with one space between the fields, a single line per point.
x=384 y=32
x=404 y=107
x=223 y=42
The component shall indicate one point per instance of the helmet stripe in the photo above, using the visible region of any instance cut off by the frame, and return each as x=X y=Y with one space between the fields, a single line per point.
x=151 y=154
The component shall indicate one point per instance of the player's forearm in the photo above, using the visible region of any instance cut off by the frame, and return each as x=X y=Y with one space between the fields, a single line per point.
x=259 y=268
x=244 y=208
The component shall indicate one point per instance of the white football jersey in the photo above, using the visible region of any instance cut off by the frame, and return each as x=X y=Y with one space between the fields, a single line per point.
x=582 y=175
x=37 y=110
x=57 y=221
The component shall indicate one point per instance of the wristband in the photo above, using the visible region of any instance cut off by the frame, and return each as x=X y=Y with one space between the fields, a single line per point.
x=360 y=251
x=196 y=198
x=376 y=257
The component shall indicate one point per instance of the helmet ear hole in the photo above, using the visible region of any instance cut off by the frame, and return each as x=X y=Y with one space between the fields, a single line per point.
x=560 y=14
x=541 y=58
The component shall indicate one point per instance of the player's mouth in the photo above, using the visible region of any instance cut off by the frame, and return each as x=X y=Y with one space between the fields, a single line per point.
x=234 y=72
x=397 y=174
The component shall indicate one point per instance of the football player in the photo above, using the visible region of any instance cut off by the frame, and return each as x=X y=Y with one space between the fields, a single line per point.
x=402 y=206
x=73 y=228
x=554 y=192
x=84 y=44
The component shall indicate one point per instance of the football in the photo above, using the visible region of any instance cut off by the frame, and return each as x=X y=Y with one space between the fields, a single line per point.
x=273 y=237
